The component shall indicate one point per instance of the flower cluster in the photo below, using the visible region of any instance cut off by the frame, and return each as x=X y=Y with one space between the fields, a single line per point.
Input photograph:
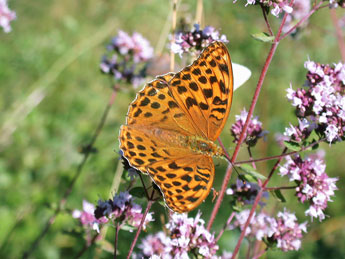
x=122 y=209
x=320 y=106
x=87 y=217
x=301 y=8
x=336 y=3
x=196 y=40
x=313 y=184
x=283 y=231
x=254 y=130
x=288 y=233
x=245 y=193
x=277 y=5
x=6 y=16
x=185 y=235
x=127 y=58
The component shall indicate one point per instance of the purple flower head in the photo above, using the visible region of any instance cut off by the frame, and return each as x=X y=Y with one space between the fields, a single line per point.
x=184 y=235
x=260 y=227
x=336 y=3
x=245 y=193
x=122 y=209
x=196 y=40
x=254 y=130
x=87 y=218
x=320 y=106
x=284 y=231
x=288 y=233
x=6 y=16
x=277 y=6
x=314 y=185
x=158 y=244
x=127 y=58
x=300 y=9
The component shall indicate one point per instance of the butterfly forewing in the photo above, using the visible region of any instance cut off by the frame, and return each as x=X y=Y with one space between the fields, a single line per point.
x=204 y=90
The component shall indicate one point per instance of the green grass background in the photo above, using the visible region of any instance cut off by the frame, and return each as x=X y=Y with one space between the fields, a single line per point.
x=54 y=51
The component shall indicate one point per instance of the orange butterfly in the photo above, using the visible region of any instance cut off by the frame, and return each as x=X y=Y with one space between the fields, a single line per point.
x=173 y=123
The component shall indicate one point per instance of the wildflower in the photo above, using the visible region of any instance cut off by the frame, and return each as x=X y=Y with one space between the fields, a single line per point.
x=288 y=233
x=245 y=193
x=196 y=40
x=184 y=235
x=313 y=184
x=277 y=6
x=123 y=210
x=158 y=244
x=261 y=225
x=127 y=58
x=87 y=218
x=301 y=8
x=6 y=16
x=321 y=104
x=283 y=231
x=254 y=130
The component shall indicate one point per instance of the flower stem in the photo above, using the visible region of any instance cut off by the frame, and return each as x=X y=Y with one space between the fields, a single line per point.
x=266 y=20
x=244 y=130
x=255 y=204
x=117 y=229
x=278 y=156
x=315 y=8
x=225 y=226
x=149 y=204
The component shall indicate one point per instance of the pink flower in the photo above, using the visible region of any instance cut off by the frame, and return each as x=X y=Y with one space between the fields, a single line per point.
x=195 y=40
x=87 y=218
x=254 y=130
x=6 y=16
x=321 y=104
x=127 y=58
x=288 y=233
x=282 y=230
x=314 y=185
x=185 y=235
x=123 y=210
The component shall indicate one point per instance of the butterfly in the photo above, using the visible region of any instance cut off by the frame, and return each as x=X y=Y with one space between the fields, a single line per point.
x=172 y=124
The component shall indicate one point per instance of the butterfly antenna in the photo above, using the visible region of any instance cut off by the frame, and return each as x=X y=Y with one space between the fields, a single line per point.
x=239 y=175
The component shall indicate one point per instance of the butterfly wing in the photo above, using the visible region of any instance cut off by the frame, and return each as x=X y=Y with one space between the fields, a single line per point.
x=185 y=182
x=204 y=90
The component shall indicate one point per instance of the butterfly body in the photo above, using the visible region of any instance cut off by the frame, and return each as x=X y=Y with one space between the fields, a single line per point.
x=172 y=124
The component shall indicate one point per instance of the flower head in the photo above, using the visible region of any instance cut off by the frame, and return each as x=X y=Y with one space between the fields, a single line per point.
x=87 y=218
x=6 y=16
x=196 y=40
x=254 y=130
x=122 y=209
x=127 y=58
x=245 y=192
x=320 y=105
x=276 y=6
x=283 y=231
x=184 y=235
x=313 y=184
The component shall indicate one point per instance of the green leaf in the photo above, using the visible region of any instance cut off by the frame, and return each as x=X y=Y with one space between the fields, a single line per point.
x=138 y=192
x=278 y=195
x=251 y=174
x=263 y=36
x=292 y=145
x=127 y=227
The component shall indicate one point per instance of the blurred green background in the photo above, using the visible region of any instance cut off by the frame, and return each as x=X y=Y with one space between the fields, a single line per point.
x=53 y=96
